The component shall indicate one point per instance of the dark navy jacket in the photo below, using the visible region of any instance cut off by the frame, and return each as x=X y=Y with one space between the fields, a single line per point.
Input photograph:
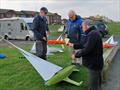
x=74 y=30
x=92 y=51
x=40 y=27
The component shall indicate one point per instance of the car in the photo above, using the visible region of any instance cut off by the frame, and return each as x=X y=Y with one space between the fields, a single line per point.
x=99 y=25
x=102 y=28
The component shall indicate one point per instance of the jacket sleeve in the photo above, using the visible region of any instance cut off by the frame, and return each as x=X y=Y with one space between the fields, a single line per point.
x=78 y=46
x=47 y=28
x=66 y=28
x=35 y=28
x=88 y=47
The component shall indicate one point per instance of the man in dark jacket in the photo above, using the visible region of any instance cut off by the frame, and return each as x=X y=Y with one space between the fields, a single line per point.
x=92 y=55
x=40 y=29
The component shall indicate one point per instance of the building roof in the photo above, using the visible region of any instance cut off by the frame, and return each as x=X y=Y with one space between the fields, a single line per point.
x=29 y=12
x=5 y=10
x=49 y=14
x=25 y=12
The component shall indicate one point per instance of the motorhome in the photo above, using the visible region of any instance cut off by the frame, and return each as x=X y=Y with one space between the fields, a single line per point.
x=16 y=28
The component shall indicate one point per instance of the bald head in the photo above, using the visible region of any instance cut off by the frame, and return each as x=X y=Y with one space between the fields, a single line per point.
x=72 y=14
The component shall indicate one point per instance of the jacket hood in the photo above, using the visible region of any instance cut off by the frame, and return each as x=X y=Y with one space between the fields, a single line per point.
x=78 y=17
x=90 y=29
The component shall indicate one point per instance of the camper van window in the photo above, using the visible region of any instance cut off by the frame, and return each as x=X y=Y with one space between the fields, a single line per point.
x=25 y=27
x=22 y=26
x=30 y=26
x=9 y=24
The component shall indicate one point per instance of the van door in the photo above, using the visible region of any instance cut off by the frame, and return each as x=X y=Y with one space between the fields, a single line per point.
x=20 y=30
x=23 y=30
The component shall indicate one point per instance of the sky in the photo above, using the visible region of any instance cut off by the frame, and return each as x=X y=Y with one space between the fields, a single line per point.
x=109 y=8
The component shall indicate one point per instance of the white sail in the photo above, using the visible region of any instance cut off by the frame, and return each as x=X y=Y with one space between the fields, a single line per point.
x=33 y=49
x=50 y=50
x=108 y=41
x=111 y=41
x=46 y=69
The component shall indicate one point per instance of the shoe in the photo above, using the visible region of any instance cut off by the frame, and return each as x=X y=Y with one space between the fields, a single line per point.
x=73 y=64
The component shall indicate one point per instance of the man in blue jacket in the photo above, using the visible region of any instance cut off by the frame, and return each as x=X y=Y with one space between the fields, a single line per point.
x=73 y=30
x=40 y=29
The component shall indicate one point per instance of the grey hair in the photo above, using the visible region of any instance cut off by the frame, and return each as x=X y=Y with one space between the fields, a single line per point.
x=72 y=11
x=85 y=23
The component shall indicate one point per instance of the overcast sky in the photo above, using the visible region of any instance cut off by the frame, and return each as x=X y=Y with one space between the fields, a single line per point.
x=109 y=8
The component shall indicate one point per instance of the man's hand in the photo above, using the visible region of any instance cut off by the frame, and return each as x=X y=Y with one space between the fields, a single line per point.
x=48 y=33
x=44 y=38
x=67 y=40
x=73 y=57
x=70 y=45
x=66 y=35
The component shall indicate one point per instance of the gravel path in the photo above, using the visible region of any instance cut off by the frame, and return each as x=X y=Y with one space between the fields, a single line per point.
x=16 y=42
x=113 y=82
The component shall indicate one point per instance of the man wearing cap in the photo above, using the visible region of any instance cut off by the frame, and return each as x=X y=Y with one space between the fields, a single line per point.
x=40 y=29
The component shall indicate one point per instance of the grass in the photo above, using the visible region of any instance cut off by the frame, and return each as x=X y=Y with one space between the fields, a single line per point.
x=114 y=28
x=53 y=30
x=17 y=73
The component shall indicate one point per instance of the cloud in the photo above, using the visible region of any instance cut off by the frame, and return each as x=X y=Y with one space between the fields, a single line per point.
x=108 y=8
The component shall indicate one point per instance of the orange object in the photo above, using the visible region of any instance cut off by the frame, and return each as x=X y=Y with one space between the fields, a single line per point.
x=106 y=45
x=56 y=42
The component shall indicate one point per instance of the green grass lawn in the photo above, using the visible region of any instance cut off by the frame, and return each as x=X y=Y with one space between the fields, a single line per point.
x=54 y=30
x=114 y=28
x=17 y=73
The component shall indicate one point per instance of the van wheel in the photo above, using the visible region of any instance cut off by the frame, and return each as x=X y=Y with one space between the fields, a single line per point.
x=6 y=37
x=27 y=39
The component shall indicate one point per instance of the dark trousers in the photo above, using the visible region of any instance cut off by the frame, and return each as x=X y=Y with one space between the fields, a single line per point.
x=95 y=80
x=41 y=49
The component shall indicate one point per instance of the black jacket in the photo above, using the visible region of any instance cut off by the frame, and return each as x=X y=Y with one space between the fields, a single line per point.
x=40 y=27
x=92 y=51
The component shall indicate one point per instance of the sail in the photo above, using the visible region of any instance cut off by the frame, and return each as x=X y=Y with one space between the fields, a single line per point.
x=111 y=41
x=50 y=50
x=46 y=69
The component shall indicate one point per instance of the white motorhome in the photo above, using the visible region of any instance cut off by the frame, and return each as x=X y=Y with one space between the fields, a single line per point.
x=16 y=28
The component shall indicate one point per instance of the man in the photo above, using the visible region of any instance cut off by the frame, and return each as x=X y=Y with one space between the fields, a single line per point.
x=74 y=31
x=40 y=29
x=92 y=55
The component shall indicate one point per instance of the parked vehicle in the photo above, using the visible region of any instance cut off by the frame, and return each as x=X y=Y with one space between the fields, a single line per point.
x=16 y=28
x=102 y=28
x=99 y=25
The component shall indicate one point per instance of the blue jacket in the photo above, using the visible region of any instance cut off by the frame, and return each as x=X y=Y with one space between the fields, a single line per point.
x=40 y=27
x=74 y=29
